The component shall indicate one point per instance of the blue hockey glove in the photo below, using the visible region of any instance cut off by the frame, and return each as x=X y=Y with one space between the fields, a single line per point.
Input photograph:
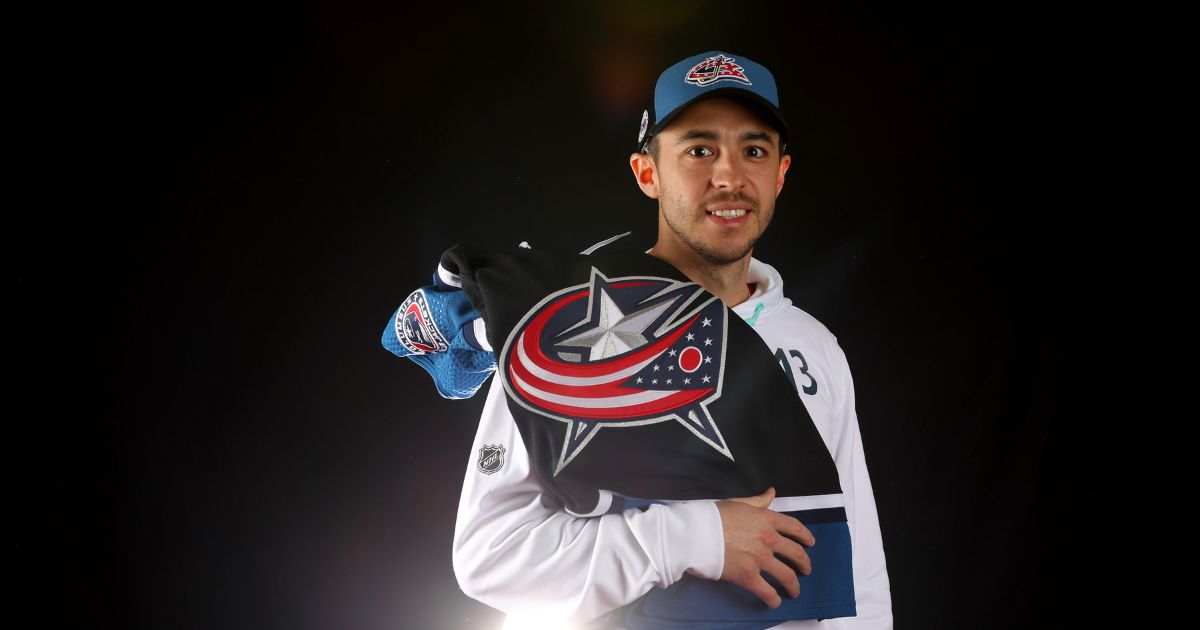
x=440 y=331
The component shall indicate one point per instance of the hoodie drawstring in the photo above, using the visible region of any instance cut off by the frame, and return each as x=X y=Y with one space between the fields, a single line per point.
x=754 y=318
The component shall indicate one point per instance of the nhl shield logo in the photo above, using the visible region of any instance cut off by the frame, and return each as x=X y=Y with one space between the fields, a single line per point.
x=491 y=458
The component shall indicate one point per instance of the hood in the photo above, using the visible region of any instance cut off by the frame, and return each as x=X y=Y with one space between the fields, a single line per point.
x=768 y=294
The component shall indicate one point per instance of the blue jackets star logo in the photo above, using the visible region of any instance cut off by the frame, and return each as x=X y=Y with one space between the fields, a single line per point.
x=621 y=352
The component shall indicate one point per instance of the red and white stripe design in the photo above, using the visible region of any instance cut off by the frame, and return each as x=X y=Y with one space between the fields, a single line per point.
x=593 y=390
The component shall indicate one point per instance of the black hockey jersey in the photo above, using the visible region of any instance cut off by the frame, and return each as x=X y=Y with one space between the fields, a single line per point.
x=624 y=375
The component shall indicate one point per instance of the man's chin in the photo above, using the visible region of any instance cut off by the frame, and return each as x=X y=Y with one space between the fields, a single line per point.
x=725 y=257
x=726 y=253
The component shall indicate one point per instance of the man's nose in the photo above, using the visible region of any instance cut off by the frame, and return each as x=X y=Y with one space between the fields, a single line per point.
x=727 y=172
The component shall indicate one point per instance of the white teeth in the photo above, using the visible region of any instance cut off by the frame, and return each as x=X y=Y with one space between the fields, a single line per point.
x=729 y=214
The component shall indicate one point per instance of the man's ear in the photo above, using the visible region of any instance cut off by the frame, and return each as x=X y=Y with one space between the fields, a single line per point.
x=783 y=167
x=645 y=173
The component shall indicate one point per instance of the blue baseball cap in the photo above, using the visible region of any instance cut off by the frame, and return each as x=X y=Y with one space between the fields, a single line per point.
x=704 y=76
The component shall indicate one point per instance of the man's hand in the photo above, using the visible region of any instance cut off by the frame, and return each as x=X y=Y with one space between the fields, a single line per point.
x=753 y=537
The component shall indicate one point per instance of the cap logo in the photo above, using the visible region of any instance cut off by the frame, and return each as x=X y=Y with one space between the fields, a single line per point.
x=714 y=69
x=645 y=124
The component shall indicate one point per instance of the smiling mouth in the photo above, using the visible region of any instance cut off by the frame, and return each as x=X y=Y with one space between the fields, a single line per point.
x=728 y=214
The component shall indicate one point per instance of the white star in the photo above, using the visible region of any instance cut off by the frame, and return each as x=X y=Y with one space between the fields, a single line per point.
x=656 y=368
x=670 y=367
x=706 y=321
x=639 y=379
x=672 y=352
x=615 y=332
x=654 y=381
x=708 y=359
x=691 y=336
x=705 y=379
x=668 y=381
x=687 y=381
x=708 y=342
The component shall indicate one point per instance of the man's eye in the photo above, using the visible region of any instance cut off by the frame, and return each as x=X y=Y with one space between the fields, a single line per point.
x=699 y=151
x=756 y=152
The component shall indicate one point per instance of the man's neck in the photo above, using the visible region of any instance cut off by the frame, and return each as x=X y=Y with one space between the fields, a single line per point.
x=727 y=282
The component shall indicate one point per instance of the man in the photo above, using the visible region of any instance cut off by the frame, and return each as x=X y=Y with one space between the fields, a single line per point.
x=551 y=521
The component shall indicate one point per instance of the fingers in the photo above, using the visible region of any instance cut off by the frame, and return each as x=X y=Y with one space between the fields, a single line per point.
x=794 y=529
x=763 y=589
x=794 y=554
x=784 y=575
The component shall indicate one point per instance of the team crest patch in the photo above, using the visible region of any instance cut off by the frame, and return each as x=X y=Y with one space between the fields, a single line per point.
x=714 y=69
x=491 y=458
x=415 y=328
x=645 y=124
x=618 y=353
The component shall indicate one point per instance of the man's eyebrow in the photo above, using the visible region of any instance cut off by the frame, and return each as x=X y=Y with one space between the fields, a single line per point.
x=693 y=134
x=758 y=135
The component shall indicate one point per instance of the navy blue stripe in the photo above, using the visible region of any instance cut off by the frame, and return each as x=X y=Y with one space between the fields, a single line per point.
x=822 y=515
x=819 y=515
x=468 y=331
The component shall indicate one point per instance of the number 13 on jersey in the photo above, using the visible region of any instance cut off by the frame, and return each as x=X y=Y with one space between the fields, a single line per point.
x=810 y=387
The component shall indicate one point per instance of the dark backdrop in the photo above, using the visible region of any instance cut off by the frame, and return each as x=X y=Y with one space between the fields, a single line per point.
x=237 y=199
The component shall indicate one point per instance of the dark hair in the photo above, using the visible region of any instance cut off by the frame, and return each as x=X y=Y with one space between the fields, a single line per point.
x=652 y=147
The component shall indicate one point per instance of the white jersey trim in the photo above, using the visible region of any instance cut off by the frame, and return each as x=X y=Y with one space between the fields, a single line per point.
x=588 y=251
x=451 y=279
x=815 y=502
x=480 y=329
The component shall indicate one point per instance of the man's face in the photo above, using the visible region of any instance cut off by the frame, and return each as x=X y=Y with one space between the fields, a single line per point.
x=718 y=158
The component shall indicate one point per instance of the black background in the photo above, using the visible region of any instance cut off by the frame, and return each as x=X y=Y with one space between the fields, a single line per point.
x=232 y=201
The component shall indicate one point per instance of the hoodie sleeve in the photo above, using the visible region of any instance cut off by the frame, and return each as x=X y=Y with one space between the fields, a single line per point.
x=871 y=586
x=517 y=550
